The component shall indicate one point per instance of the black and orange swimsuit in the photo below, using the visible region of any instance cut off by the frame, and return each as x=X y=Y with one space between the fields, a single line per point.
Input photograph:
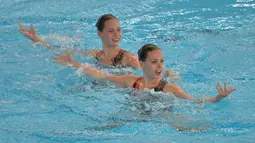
x=116 y=61
x=158 y=88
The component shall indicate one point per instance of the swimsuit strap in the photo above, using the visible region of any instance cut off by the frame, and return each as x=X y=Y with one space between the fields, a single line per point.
x=137 y=83
x=117 y=60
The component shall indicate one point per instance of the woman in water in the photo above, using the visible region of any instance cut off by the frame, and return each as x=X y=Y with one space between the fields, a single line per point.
x=151 y=61
x=109 y=31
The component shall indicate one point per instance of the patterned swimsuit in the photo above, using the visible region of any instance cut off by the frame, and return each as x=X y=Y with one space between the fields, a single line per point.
x=116 y=61
x=158 y=88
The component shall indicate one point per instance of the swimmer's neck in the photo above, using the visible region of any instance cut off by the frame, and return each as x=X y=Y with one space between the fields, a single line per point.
x=110 y=51
x=150 y=82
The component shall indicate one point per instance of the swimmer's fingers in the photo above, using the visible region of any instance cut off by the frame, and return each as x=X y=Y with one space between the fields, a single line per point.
x=27 y=32
x=171 y=75
x=230 y=89
x=64 y=55
x=176 y=76
x=60 y=55
x=226 y=91
x=168 y=72
x=219 y=88
x=21 y=26
x=33 y=29
x=59 y=60
x=64 y=59
x=56 y=60
x=68 y=53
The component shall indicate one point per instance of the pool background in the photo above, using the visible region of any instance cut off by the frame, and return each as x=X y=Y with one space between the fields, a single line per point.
x=206 y=42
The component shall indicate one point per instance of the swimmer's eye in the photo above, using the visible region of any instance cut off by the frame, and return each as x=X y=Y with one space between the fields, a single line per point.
x=162 y=61
x=154 y=62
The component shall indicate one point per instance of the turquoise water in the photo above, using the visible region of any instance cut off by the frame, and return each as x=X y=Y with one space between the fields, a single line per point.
x=205 y=41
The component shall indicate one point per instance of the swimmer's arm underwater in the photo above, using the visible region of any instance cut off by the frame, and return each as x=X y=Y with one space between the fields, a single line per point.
x=31 y=34
x=179 y=92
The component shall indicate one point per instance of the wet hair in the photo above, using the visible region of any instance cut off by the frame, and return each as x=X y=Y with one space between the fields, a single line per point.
x=145 y=49
x=102 y=20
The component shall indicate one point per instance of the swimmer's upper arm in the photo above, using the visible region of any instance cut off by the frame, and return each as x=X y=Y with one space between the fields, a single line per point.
x=177 y=91
x=123 y=81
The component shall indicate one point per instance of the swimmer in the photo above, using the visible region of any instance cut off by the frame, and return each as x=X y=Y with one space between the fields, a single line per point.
x=152 y=64
x=151 y=61
x=109 y=31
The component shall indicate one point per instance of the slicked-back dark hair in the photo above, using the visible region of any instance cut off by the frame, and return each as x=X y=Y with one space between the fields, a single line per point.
x=145 y=49
x=102 y=20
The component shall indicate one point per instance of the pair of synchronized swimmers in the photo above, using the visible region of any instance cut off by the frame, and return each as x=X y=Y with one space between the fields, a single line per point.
x=150 y=59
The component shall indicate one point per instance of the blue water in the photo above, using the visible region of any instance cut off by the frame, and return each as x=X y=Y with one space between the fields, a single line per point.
x=205 y=41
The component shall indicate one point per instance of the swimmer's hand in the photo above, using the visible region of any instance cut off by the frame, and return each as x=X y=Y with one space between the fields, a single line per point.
x=66 y=59
x=224 y=92
x=171 y=75
x=31 y=34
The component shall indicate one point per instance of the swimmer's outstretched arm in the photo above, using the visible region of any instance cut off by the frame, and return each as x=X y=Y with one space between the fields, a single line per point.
x=122 y=81
x=179 y=92
x=31 y=34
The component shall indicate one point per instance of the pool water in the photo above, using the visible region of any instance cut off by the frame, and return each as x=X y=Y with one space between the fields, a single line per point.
x=205 y=41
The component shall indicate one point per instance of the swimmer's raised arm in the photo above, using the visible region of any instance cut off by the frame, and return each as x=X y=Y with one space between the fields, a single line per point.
x=31 y=34
x=179 y=92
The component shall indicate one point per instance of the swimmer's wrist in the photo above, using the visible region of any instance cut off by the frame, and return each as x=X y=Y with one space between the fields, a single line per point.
x=77 y=65
x=37 y=39
x=46 y=44
x=219 y=98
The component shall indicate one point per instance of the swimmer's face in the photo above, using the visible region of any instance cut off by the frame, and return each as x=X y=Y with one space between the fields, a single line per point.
x=111 y=34
x=154 y=64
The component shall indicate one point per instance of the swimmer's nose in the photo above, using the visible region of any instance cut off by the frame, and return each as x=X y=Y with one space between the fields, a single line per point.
x=117 y=33
x=161 y=65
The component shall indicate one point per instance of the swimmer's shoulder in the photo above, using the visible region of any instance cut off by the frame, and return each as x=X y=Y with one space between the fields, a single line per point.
x=130 y=59
x=130 y=79
x=173 y=88
x=128 y=54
